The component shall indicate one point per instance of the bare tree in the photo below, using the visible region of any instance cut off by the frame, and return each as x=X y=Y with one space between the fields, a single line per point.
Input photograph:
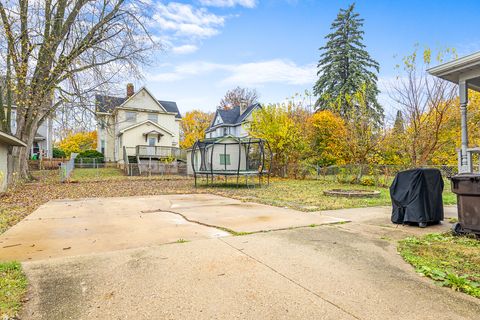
x=237 y=96
x=53 y=48
x=427 y=104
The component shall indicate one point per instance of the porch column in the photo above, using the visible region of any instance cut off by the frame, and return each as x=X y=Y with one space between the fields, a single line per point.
x=464 y=163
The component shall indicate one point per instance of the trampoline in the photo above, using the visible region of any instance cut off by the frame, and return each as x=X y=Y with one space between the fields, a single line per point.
x=231 y=156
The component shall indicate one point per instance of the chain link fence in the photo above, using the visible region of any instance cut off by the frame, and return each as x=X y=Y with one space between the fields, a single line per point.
x=66 y=168
x=367 y=174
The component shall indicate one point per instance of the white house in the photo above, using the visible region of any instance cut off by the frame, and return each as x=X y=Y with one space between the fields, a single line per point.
x=42 y=146
x=6 y=160
x=231 y=122
x=137 y=125
x=229 y=128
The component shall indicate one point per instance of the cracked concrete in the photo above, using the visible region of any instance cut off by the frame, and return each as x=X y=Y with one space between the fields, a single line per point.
x=331 y=271
x=74 y=227
x=325 y=272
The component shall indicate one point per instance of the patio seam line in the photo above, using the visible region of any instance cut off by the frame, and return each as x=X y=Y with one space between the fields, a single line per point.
x=291 y=280
x=239 y=233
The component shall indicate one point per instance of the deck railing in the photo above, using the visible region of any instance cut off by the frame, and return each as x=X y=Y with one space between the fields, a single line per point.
x=160 y=152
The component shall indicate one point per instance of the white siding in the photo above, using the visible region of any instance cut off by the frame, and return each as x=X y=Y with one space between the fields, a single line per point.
x=144 y=106
x=3 y=166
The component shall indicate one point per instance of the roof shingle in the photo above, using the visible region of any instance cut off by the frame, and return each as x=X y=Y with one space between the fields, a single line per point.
x=233 y=116
x=109 y=103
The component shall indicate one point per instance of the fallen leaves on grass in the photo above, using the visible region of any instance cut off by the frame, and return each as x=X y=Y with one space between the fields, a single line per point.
x=451 y=261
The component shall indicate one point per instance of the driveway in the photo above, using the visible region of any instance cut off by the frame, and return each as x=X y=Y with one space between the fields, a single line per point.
x=322 y=271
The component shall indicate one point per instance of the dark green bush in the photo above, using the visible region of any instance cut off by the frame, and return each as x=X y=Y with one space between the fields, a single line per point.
x=90 y=156
x=58 y=153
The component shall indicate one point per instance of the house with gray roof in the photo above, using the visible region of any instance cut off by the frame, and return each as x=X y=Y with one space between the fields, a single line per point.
x=229 y=126
x=231 y=122
x=137 y=126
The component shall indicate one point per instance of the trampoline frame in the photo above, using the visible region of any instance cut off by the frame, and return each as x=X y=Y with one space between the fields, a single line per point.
x=208 y=145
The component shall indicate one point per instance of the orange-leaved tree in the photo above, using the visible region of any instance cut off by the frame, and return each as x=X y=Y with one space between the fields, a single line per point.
x=327 y=135
x=193 y=126
x=78 y=142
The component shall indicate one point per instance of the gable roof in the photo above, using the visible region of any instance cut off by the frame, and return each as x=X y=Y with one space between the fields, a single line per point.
x=107 y=104
x=171 y=106
x=232 y=116
x=145 y=122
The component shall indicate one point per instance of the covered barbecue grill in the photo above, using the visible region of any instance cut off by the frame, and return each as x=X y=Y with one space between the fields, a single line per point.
x=417 y=197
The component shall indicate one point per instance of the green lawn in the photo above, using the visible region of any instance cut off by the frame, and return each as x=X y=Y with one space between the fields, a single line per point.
x=83 y=174
x=307 y=195
x=451 y=261
x=13 y=287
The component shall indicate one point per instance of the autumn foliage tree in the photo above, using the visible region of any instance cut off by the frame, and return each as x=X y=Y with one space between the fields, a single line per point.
x=55 y=50
x=327 y=138
x=193 y=126
x=429 y=106
x=78 y=142
x=280 y=125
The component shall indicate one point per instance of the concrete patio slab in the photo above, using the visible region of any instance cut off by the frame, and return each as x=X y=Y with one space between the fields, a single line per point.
x=311 y=273
x=241 y=216
x=204 y=279
x=74 y=227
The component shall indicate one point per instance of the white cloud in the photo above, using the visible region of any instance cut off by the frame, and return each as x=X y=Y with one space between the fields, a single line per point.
x=184 y=20
x=185 y=49
x=283 y=71
x=229 y=3
x=247 y=74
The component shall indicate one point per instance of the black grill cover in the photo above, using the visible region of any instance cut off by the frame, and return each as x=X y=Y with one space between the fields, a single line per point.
x=417 y=196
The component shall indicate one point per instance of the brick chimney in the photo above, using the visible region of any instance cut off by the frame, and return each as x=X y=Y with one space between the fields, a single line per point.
x=130 y=90
x=243 y=106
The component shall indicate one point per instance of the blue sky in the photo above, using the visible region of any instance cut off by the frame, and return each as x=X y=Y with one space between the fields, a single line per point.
x=272 y=45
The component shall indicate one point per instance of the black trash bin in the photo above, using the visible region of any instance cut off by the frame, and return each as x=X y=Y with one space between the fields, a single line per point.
x=417 y=197
x=467 y=188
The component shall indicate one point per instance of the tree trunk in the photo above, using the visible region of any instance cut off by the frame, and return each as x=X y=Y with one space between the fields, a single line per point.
x=21 y=154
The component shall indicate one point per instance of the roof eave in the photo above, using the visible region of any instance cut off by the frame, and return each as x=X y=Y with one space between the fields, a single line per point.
x=11 y=140
x=448 y=69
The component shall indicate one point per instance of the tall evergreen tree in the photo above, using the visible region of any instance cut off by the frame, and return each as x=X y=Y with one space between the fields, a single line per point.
x=399 y=125
x=345 y=66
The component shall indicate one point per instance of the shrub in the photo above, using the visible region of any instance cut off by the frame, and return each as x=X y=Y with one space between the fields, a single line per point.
x=367 y=181
x=58 y=153
x=90 y=156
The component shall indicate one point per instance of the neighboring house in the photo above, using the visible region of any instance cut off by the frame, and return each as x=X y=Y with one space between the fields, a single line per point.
x=42 y=146
x=228 y=127
x=231 y=122
x=137 y=125
x=6 y=160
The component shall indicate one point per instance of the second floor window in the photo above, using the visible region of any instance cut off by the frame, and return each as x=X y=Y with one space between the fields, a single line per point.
x=153 y=117
x=130 y=116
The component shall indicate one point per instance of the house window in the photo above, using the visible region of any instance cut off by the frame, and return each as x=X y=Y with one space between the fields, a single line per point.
x=102 y=146
x=225 y=159
x=153 y=117
x=130 y=116
x=225 y=131
x=151 y=141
